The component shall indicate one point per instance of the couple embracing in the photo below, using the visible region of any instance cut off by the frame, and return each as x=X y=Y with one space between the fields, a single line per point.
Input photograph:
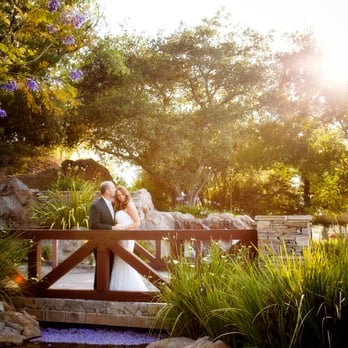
x=115 y=210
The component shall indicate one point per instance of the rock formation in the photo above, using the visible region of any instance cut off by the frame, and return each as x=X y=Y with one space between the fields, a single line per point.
x=180 y=342
x=16 y=327
x=15 y=200
x=85 y=169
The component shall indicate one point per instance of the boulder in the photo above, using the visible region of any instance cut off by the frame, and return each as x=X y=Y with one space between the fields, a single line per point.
x=228 y=221
x=143 y=201
x=85 y=169
x=15 y=200
x=172 y=342
x=180 y=342
x=16 y=327
x=185 y=221
x=157 y=220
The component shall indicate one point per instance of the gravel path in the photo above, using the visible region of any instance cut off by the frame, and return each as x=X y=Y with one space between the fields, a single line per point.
x=82 y=336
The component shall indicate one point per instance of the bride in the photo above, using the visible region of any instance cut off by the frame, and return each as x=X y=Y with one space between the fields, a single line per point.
x=123 y=276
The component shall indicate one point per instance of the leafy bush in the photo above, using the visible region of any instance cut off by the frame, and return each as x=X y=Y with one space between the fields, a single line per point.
x=194 y=210
x=65 y=210
x=46 y=253
x=69 y=183
x=272 y=301
x=12 y=253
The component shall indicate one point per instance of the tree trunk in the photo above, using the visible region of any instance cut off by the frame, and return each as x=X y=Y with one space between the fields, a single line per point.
x=306 y=193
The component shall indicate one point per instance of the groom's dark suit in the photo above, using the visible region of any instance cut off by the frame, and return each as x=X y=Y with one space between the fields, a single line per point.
x=100 y=218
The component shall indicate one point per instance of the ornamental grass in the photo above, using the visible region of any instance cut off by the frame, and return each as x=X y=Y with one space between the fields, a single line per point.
x=273 y=300
x=65 y=210
x=13 y=251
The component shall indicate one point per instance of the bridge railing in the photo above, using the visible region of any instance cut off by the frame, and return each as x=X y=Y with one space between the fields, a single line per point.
x=149 y=263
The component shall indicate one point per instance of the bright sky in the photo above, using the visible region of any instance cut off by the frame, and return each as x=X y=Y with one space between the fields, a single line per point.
x=326 y=17
x=152 y=15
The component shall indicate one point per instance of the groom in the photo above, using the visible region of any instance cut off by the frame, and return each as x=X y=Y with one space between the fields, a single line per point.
x=102 y=215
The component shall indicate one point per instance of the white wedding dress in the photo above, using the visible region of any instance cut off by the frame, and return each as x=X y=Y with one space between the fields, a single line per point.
x=123 y=276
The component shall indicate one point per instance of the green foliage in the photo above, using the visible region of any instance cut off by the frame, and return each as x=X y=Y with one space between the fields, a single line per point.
x=70 y=183
x=258 y=192
x=235 y=110
x=13 y=250
x=40 y=46
x=163 y=94
x=65 y=209
x=195 y=210
x=245 y=122
x=46 y=253
x=278 y=300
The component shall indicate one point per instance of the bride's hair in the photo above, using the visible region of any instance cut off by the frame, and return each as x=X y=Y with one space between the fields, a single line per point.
x=121 y=205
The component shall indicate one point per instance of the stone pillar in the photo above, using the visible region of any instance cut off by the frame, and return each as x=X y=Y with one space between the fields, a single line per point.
x=292 y=231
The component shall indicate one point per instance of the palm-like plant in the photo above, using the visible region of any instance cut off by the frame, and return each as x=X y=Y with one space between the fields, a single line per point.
x=65 y=210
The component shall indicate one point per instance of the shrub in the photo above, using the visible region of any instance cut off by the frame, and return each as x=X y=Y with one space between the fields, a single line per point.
x=194 y=210
x=46 y=253
x=278 y=300
x=13 y=250
x=65 y=210
x=69 y=183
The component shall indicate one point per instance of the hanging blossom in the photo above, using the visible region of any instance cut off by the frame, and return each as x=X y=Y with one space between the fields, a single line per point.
x=53 y=5
x=74 y=18
x=10 y=86
x=69 y=40
x=32 y=85
x=76 y=74
x=2 y=113
x=51 y=28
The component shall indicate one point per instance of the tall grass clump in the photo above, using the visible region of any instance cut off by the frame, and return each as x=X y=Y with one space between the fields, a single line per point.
x=13 y=250
x=197 y=288
x=274 y=300
x=65 y=210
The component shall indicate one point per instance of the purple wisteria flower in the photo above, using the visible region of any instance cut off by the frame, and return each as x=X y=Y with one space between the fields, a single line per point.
x=69 y=40
x=74 y=18
x=32 y=85
x=51 y=28
x=3 y=113
x=53 y=5
x=76 y=74
x=78 y=20
x=10 y=86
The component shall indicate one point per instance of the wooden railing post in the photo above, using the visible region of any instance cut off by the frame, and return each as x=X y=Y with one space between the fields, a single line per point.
x=34 y=260
x=102 y=268
x=54 y=253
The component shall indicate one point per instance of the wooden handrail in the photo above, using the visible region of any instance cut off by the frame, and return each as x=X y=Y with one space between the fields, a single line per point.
x=104 y=242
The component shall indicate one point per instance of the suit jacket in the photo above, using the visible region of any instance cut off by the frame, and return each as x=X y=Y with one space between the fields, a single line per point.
x=100 y=217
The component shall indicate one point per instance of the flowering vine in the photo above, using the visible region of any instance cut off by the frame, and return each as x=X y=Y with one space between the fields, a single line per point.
x=67 y=18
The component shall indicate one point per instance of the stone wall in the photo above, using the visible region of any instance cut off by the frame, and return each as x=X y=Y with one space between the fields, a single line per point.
x=110 y=313
x=276 y=231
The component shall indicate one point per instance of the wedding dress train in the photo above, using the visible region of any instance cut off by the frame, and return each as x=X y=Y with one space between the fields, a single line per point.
x=123 y=276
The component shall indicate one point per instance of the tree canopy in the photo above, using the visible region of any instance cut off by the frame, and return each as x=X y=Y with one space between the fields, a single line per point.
x=212 y=114
x=175 y=110
x=40 y=42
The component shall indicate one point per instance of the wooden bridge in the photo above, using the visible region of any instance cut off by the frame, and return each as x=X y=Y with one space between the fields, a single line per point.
x=101 y=243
